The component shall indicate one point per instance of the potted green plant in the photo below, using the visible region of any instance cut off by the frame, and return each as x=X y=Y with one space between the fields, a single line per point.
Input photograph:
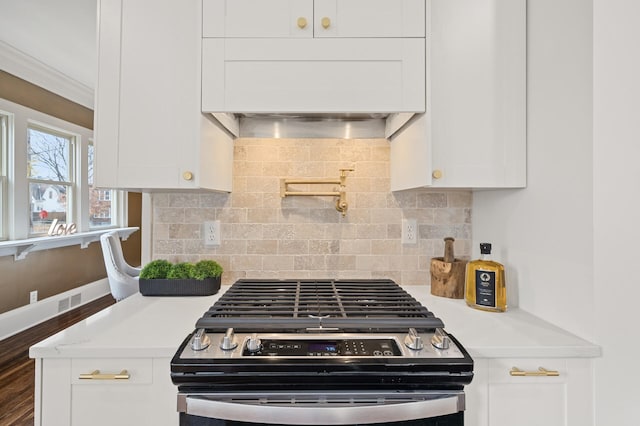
x=207 y=269
x=156 y=269
x=162 y=278
x=181 y=271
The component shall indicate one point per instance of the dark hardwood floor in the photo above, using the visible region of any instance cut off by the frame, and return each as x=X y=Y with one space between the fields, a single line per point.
x=17 y=370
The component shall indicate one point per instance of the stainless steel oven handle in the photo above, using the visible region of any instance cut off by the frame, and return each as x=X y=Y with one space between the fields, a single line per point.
x=322 y=414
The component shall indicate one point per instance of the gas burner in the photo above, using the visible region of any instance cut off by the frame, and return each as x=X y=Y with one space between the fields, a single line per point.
x=295 y=305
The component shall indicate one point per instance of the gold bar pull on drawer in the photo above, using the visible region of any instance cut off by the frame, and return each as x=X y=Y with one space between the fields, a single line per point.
x=515 y=371
x=96 y=375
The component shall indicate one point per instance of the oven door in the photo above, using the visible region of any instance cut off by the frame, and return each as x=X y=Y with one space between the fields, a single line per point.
x=432 y=408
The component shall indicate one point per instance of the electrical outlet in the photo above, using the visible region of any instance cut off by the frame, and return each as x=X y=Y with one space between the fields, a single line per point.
x=211 y=234
x=409 y=231
x=33 y=296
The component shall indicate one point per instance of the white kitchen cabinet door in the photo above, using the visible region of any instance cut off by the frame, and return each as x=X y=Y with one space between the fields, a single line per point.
x=257 y=18
x=313 y=75
x=147 y=398
x=313 y=18
x=474 y=132
x=150 y=133
x=62 y=398
x=369 y=18
x=495 y=398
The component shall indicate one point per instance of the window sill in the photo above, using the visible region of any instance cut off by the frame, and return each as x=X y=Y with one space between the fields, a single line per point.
x=21 y=248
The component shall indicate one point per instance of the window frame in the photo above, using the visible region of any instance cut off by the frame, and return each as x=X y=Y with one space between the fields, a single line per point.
x=6 y=125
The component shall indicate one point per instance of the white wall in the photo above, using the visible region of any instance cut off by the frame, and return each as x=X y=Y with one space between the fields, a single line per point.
x=544 y=233
x=616 y=189
x=570 y=239
x=27 y=316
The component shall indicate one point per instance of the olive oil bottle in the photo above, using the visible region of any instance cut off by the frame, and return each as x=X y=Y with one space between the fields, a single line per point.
x=484 y=283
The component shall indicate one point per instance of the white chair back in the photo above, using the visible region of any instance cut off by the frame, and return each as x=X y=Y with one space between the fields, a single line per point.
x=123 y=278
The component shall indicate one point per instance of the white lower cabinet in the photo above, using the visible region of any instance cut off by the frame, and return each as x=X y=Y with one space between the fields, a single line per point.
x=147 y=396
x=497 y=398
x=494 y=398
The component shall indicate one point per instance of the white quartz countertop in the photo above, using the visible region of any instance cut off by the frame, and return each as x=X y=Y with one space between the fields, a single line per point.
x=136 y=327
x=512 y=334
x=154 y=327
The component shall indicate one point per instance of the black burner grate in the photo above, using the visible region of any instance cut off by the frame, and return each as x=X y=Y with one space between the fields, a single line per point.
x=301 y=305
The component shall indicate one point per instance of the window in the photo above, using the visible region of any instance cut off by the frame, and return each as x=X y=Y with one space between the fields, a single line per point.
x=104 y=195
x=46 y=173
x=50 y=176
x=101 y=203
x=4 y=136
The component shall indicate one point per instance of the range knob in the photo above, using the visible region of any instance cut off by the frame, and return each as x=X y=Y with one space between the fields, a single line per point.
x=413 y=340
x=254 y=344
x=200 y=341
x=440 y=340
x=228 y=341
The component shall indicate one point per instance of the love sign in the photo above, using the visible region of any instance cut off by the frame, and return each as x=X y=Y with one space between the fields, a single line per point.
x=59 y=228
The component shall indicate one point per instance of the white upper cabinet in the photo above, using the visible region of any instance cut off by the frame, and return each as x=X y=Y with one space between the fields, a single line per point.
x=473 y=134
x=317 y=75
x=313 y=56
x=459 y=65
x=369 y=18
x=313 y=18
x=257 y=18
x=150 y=133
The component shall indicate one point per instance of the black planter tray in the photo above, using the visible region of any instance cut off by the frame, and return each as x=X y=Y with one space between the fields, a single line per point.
x=179 y=287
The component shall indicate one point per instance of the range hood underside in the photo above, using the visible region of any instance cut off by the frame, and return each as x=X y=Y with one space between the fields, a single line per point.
x=313 y=125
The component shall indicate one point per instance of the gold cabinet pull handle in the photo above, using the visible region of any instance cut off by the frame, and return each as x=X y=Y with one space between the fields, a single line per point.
x=326 y=22
x=542 y=372
x=187 y=176
x=302 y=22
x=437 y=174
x=96 y=375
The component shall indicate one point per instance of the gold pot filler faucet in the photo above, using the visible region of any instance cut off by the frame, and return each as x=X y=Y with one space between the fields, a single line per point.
x=340 y=192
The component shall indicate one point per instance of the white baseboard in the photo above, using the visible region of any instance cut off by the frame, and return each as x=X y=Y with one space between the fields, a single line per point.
x=27 y=316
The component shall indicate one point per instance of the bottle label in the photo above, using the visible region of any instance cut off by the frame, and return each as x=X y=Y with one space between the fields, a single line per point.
x=486 y=288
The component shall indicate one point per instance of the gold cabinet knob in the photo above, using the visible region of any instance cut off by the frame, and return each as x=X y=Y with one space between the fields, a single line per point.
x=437 y=174
x=187 y=176
x=302 y=23
x=326 y=22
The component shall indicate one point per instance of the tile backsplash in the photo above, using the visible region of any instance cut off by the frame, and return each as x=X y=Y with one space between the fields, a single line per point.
x=266 y=236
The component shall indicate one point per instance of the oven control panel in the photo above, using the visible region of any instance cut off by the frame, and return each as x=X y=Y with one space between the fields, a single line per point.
x=322 y=348
x=229 y=345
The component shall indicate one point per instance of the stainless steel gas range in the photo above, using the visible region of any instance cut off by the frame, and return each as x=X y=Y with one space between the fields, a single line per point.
x=320 y=352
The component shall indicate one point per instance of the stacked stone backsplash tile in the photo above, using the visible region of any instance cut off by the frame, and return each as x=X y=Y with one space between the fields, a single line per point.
x=266 y=236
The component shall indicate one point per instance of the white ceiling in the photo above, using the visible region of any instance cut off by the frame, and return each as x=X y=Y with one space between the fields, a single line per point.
x=59 y=33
